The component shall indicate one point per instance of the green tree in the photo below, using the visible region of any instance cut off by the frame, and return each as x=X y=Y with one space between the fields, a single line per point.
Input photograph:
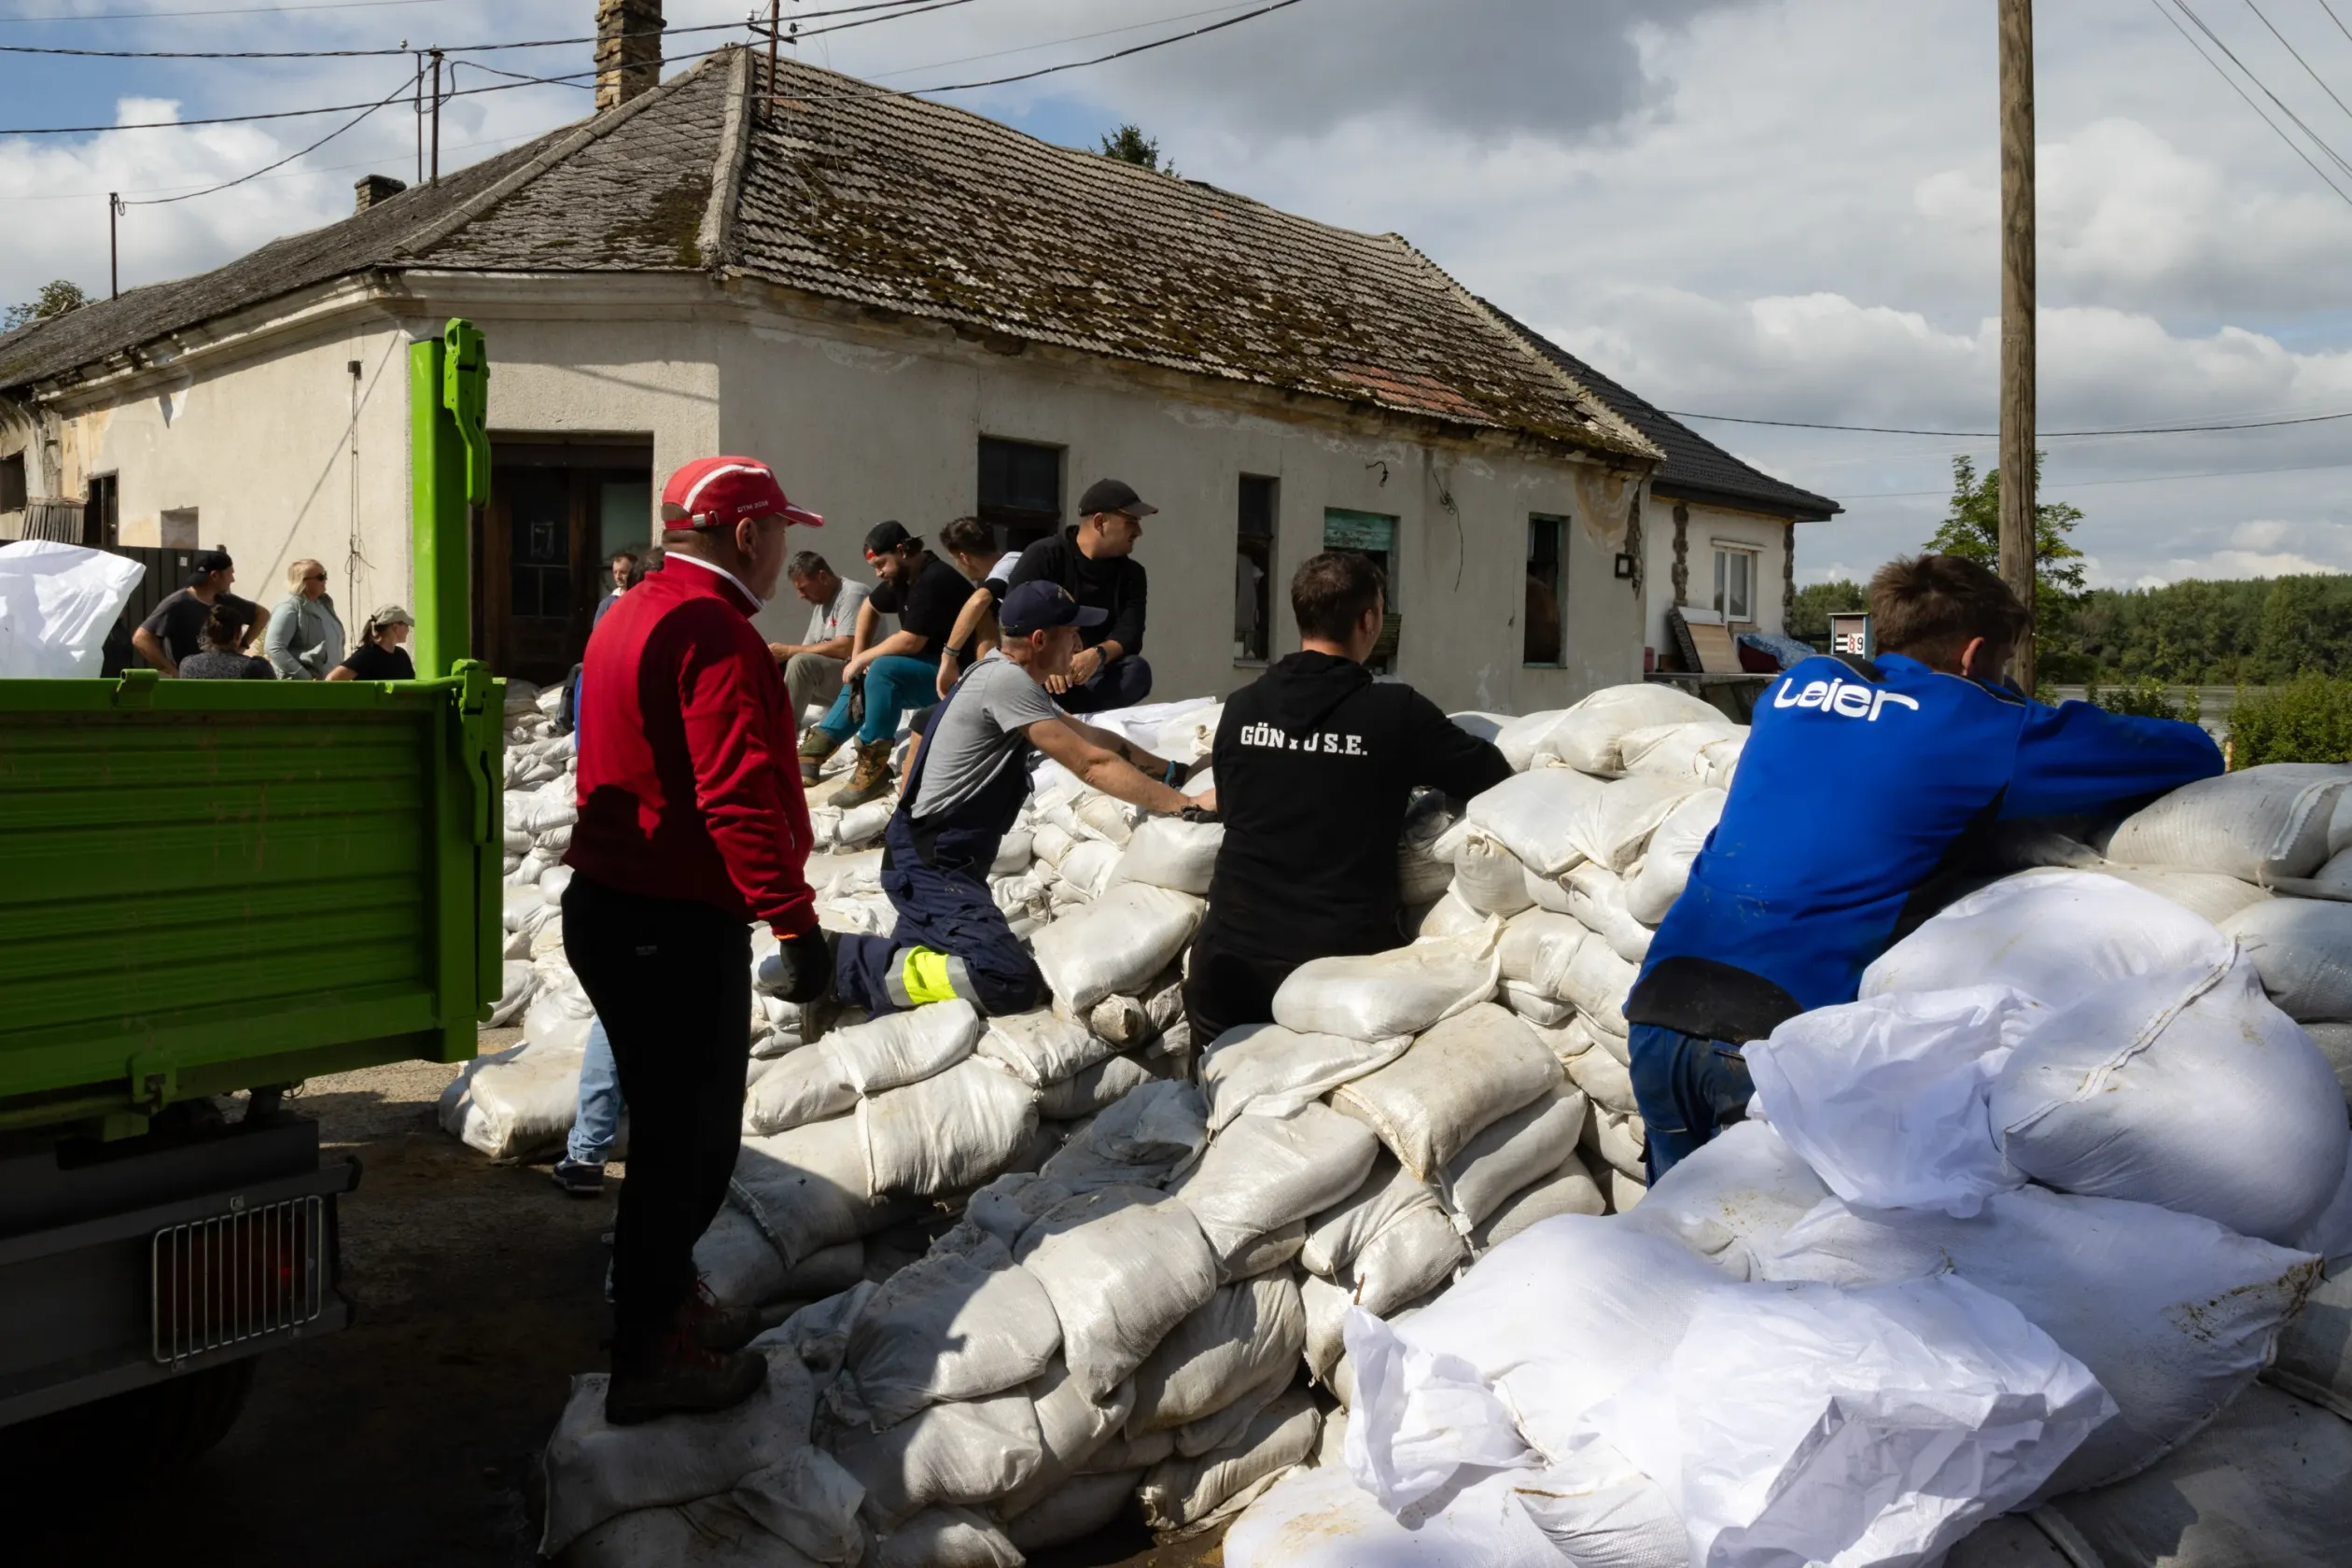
x=2309 y=720
x=1809 y=612
x=56 y=297
x=1972 y=528
x=1129 y=144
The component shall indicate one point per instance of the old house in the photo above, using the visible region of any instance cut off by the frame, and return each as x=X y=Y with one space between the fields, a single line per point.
x=914 y=312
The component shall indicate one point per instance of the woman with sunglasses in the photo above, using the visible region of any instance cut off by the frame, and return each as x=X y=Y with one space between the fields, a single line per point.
x=305 y=638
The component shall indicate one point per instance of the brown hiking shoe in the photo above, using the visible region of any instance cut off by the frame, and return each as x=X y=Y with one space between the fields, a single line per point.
x=815 y=745
x=717 y=1327
x=680 y=1378
x=872 y=779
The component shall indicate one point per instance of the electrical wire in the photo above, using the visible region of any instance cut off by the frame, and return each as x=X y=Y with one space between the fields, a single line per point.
x=501 y=143
x=2337 y=20
x=1073 y=38
x=1995 y=435
x=2317 y=140
x=1105 y=59
x=2097 y=483
x=227 y=10
x=2275 y=129
x=2299 y=59
x=395 y=94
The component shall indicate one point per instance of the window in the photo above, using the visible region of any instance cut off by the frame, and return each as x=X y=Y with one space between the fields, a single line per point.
x=1541 y=642
x=1735 y=583
x=1370 y=534
x=12 y=482
x=1020 y=491
x=1254 y=572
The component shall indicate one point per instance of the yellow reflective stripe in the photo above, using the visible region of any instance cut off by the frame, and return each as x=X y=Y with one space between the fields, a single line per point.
x=926 y=977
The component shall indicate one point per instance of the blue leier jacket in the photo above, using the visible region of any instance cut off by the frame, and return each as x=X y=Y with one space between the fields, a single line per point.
x=1858 y=780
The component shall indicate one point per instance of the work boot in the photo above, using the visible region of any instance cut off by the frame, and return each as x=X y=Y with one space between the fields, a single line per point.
x=815 y=745
x=872 y=777
x=680 y=1378
x=717 y=1327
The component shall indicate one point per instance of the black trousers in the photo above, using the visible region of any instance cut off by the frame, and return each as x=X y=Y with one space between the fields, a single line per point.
x=1229 y=986
x=672 y=983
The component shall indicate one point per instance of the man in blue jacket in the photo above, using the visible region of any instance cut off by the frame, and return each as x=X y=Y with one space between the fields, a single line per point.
x=1862 y=779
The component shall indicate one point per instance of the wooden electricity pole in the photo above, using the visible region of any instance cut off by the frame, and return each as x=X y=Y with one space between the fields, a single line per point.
x=2017 y=315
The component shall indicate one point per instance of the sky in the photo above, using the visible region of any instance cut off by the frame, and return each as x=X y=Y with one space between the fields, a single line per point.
x=1776 y=209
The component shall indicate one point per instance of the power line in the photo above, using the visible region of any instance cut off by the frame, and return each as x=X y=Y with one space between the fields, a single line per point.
x=2317 y=140
x=191 y=195
x=1995 y=435
x=2096 y=484
x=1073 y=38
x=2265 y=118
x=1105 y=59
x=500 y=142
x=2299 y=59
x=228 y=10
x=2337 y=20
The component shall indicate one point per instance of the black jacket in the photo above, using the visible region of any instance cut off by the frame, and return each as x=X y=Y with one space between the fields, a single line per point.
x=1114 y=584
x=1315 y=764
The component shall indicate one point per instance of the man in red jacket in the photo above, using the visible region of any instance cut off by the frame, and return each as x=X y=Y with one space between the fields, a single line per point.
x=691 y=826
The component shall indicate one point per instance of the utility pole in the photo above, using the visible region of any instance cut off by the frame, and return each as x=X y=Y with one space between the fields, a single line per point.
x=419 y=115
x=114 y=254
x=437 y=98
x=2017 y=316
x=776 y=21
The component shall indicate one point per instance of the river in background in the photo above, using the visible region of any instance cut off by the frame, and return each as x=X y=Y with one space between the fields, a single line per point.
x=2213 y=703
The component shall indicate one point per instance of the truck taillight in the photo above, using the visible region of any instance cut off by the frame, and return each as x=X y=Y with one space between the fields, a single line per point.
x=217 y=1281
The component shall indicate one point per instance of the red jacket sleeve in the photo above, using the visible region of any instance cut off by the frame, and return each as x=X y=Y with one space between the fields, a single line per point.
x=747 y=775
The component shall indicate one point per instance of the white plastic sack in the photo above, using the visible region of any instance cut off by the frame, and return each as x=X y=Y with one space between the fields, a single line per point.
x=945 y=1538
x=1123 y=1266
x=2056 y=935
x=1537 y=948
x=1611 y=826
x=2257 y=824
x=805 y=1188
x=1597 y=899
x=969 y=1451
x=1458 y=1079
x=955 y=1129
x=1598 y=982
x=1320 y=1519
x=57 y=603
x=1170 y=852
x=1488 y=878
x=2208 y=893
x=905 y=1047
x=1182 y=1495
x=1151 y=1133
x=520 y=983
x=1410 y=1256
x=1039 y=1048
x=1674 y=751
x=1599 y=1073
x=1535 y=815
x=2302 y=950
x=515 y=1103
x=1093 y=1088
x=1666 y=866
x=1889 y=1099
x=803 y=1086
x=1335 y=1235
x=2190 y=1090
x=1589 y=737
x=1271 y=1070
x=1262 y=1172
x=1512 y=1151
x=1742 y=1189
x=1569 y=1190
x=1118 y=944
x=958 y=1323
x=1228 y=1346
x=1072 y=1429
x=1814 y=1425
x=1519 y=738
x=1380 y=996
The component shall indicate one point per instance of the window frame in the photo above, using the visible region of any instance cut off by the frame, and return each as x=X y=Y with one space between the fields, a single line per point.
x=1271 y=544
x=16 y=481
x=1559 y=587
x=1393 y=637
x=1720 y=601
x=1015 y=524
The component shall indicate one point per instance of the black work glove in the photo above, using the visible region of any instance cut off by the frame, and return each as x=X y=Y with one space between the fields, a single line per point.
x=1199 y=813
x=801 y=970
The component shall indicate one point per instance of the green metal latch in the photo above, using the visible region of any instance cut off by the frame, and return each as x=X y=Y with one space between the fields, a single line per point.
x=449 y=451
x=466 y=393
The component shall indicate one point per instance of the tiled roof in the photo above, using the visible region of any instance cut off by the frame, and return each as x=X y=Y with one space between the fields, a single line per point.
x=918 y=209
x=1696 y=469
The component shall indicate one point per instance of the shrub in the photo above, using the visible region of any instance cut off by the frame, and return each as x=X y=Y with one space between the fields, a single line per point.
x=2309 y=720
x=2145 y=697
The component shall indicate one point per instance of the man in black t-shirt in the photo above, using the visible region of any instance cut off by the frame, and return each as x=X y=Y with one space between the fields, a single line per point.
x=176 y=629
x=1315 y=766
x=1096 y=562
x=892 y=674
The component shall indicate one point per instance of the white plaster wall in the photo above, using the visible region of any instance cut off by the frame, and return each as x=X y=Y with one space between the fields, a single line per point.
x=1707 y=524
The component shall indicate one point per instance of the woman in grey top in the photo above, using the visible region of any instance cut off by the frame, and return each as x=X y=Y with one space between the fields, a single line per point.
x=218 y=659
x=305 y=638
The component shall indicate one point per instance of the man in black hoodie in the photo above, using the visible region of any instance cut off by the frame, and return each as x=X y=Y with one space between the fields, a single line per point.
x=1315 y=764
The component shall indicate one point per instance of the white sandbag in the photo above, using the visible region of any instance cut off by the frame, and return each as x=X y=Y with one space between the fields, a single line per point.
x=1511 y=1151
x=1422 y=871
x=805 y=1188
x=1675 y=750
x=1111 y=819
x=1262 y=1172
x=515 y=1103
x=1534 y=815
x=957 y=1324
x=1379 y=995
x=519 y=984
x=1612 y=826
x=1589 y=737
x=1488 y=878
x=1598 y=982
x=1666 y=865
x=2172 y=1314
x=2302 y=950
x=736 y=1262
x=1072 y=1511
x=1720 y=760
x=548 y=1022
x=1576 y=1037
x=1336 y=1235
x=1412 y=1255
x=1072 y=1429
x=1271 y=1070
x=969 y=1451
x=1606 y=1079
x=1537 y=948
x=1526 y=1001
x=1039 y=1048
x=1597 y=898
x=2209 y=893
x=2159 y=1088
x=952 y=1130
x=525 y=908
x=2314 y=1359
x=1170 y=852
x=1456 y=1080
x=1741 y=1190
x=1118 y=944
x=803 y=1086
x=1448 y=917
x=1051 y=843
x=1320 y=1519
x=552 y=882
x=1150 y=1134
x=1519 y=738
x=1086 y=868
x=1625 y=1191
x=1120 y=1020
x=58 y=601
x=1228 y=1346
x=596 y=1471
x=1550 y=893
x=1877 y=1425
x=905 y=1047
x=1093 y=1088
x=1614 y=1140
x=945 y=1538
x=1122 y=1266
x=2257 y=824
x=1569 y=1190
x=2054 y=935
x=2268 y=1485
x=1182 y=1495
x=1889 y=1098
x=708 y=1533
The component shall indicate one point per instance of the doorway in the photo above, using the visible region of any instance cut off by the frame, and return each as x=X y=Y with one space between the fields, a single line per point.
x=558 y=509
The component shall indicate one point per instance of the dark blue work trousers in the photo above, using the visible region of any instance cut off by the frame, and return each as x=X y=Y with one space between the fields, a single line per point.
x=1688 y=1088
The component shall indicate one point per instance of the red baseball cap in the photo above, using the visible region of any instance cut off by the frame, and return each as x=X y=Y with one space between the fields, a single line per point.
x=720 y=492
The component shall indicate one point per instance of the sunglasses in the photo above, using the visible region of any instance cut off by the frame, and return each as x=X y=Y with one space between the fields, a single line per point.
x=314 y=577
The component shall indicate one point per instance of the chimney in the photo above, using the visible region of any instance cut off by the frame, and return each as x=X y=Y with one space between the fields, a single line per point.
x=629 y=49
x=371 y=188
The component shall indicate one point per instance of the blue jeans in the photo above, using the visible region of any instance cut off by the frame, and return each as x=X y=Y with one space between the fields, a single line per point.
x=1113 y=686
x=894 y=684
x=597 y=1121
x=1688 y=1088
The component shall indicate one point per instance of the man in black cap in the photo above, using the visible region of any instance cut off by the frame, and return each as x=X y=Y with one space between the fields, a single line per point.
x=963 y=793
x=899 y=673
x=1096 y=562
x=176 y=630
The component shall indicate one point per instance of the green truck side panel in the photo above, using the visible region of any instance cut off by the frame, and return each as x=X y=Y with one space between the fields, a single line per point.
x=207 y=885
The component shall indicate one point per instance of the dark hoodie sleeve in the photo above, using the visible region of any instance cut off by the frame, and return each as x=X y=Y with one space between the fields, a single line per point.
x=1446 y=757
x=1127 y=625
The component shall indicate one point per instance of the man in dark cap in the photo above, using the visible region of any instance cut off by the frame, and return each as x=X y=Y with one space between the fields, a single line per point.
x=1096 y=562
x=176 y=629
x=896 y=674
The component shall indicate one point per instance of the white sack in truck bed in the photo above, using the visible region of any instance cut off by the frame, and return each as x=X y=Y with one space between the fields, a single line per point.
x=2259 y=824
